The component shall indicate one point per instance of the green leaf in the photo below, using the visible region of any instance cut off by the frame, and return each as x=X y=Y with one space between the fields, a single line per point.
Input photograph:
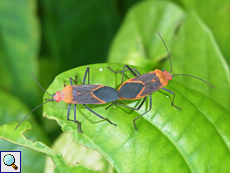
x=167 y=140
x=12 y=109
x=18 y=48
x=137 y=42
x=196 y=53
x=74 y=153
x=18 y=138
x=215 y=14
x=194 y=139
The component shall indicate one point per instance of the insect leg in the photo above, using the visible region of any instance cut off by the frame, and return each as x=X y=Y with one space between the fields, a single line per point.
x=99 y=115
x=86 y=72
x=150 y=107
x=142 y=102
x=173 y=97
x=71 y=79
x=68 y=112
x=128 y=68
x=131 y=69
x=125 y=70
x=118 y=71
x=75 y=119
x=75 y=108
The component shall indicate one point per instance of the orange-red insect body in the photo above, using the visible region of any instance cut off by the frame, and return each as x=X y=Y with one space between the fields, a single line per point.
x=87 y=94
x=82 y=94
x=143 y=85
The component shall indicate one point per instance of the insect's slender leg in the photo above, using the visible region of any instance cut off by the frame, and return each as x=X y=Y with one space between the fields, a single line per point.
x=150 y=107
x=173 y=97
x=99 y=115
x=142 y=102
x=75 y=119
x=68 y=112
x=86 y=72
x=123 y=73
x=110 y=105
x=118 y=71
x=75 y=108
x=125 y=70
x=71 y=79
x=79 y=127
x=88 y=75
x=131 y=69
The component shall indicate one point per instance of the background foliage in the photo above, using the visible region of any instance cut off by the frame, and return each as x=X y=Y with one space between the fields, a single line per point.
x=50 y=37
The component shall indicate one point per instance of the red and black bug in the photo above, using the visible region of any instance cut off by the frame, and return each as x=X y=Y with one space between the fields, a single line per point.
x=143 y=85
x=81 y=94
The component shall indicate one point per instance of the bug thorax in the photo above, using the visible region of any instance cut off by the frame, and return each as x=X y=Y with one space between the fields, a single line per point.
x=162 y=76
x=67 y=94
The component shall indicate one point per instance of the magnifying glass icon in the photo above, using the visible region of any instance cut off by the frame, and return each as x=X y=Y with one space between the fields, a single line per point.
x=9 y=160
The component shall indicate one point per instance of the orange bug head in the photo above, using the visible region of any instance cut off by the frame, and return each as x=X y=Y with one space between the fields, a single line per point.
x=57 y=96
x=168 y=75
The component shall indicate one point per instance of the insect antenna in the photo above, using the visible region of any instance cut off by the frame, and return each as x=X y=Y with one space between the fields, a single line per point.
x=38 y=105
x=194 y=77
x=181 y=74
x=167 y=51
x=40 y=85
x=32 y=111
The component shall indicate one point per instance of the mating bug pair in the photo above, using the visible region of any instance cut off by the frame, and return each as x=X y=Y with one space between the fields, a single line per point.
x=135 y=88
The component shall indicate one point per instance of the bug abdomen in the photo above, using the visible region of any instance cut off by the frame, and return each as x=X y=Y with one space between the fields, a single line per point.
x=130 y=90
x=140 y=86
x=106 y=94
x=93 y=94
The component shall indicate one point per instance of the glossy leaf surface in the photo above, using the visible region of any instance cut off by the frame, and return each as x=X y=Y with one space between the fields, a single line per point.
x=167 y=138
x=216 y=15
x=194 y=139
x=137 y=42
x=18 y=138
x=74 y=153
x=12 y=109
